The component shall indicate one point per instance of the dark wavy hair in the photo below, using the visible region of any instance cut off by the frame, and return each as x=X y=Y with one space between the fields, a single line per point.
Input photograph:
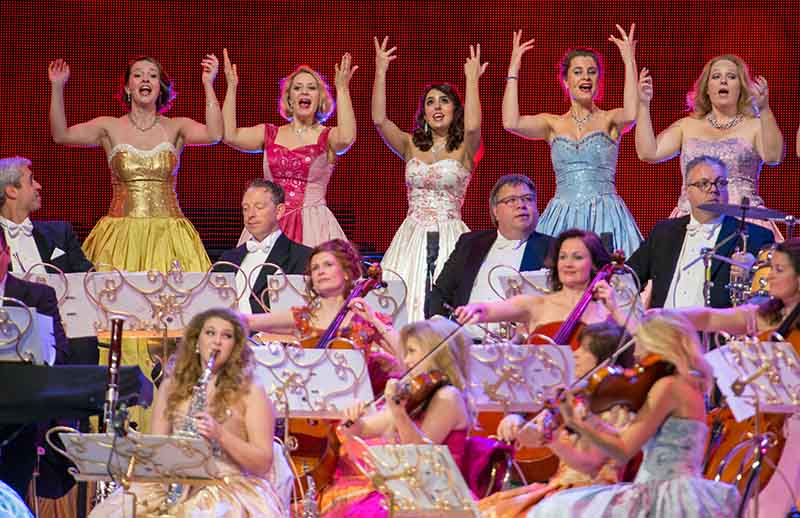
x=166 y=92
x=424 y=139
x=348 y=258
x=233 y=381
x=771 y=310
x=603 y=339
x=566 y=61
x=600 y=256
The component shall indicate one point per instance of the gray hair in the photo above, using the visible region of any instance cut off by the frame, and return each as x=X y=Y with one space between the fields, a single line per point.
x=275 y=190
x=508 y=179
x=704 y=159
x=10 y=174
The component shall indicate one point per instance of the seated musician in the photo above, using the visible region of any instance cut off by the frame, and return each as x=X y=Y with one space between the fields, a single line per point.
x=238 y=417
x=670 y=428
x=581 y=463
x=444 y=418
x=781 y=314
x=333 y=269
x=574 y=259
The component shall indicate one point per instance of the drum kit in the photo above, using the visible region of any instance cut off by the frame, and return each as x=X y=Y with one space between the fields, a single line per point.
x=748 y=279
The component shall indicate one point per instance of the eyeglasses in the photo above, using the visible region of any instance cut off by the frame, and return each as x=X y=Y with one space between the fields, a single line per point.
x=525 y=199
x=705 y=185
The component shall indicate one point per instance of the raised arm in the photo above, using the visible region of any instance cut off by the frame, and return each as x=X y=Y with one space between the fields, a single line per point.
x=398 y=140
x=90 y=133
x=515 y=309
x=344 y=134
x=730 y=320
x=473 y=70
x=769 y=139
x=626 y=116
x=648 y=147
x=194 y=133
x=243 y=139
x=528 y=126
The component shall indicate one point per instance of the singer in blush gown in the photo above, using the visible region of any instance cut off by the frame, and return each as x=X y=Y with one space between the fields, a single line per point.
x=730 y=119
x=300 y=155
x=584 y=142
x=440 y=153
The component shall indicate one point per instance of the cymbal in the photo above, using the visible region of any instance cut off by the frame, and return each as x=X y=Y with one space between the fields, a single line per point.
x=736 y=211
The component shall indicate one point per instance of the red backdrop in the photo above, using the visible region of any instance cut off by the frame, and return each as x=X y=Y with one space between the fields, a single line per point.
x=367 y=192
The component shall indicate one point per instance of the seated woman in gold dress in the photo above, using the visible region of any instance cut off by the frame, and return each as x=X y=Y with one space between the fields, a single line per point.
x=239 y=418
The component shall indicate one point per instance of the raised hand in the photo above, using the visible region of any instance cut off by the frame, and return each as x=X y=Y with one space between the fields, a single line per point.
x=626 y=44
x=231 y=75
x=509 y=427
x=383 y=56
x=210 y=66
x=517 y=50
x=645 y=87
x=470 y=314
x=760 y=94
x=344 y=71
x=473 y=68
x=605 y=294
x=58 y=72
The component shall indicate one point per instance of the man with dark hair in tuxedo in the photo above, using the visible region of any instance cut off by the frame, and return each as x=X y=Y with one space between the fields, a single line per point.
x=515 y=243
x=262 y=206
x=673 y=244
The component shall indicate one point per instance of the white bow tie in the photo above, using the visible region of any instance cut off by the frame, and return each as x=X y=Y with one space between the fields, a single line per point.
x=255 y=246
x=26 y=227
x=707 y=229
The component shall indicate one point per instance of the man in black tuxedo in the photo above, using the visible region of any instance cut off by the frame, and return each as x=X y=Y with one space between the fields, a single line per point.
x=31 y=243
x=673 y=244
x=262 y=207
x=464 y=278
x=18 y=442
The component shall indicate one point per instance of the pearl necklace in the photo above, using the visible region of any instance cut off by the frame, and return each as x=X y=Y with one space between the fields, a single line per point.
x=580 y=122
x=143 y=130
x=726 y=126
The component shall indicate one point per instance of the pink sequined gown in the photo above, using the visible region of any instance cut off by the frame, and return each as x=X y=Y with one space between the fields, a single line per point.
x=304 y=173
x=435 y=196
x=744 y=168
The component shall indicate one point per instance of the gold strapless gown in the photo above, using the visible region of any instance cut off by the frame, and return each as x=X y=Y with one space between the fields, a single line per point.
x=144 y=230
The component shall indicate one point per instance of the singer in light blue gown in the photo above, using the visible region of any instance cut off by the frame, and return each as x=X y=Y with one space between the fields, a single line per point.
x=11 y=505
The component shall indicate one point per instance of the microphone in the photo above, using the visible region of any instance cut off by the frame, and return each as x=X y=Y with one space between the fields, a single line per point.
x=738 y=386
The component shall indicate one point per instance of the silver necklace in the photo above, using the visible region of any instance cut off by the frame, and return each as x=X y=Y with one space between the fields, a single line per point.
x=155 y=121
x=580 y=122
x=726 y=126
x=301 y=130
x=437 y=148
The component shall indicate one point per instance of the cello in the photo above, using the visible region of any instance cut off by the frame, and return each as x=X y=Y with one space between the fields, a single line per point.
x=539 y=464
x=313 y=443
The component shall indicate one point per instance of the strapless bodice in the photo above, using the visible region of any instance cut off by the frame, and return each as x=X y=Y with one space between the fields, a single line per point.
x=585 y=167
x=143 y=181
x=435 y=191
x=675 y=450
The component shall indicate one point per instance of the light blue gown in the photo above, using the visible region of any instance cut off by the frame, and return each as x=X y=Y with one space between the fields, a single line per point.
x=669 y=484
x=11 y=505
x=586 y=194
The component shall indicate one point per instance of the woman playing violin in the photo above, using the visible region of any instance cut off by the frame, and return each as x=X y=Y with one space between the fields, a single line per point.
x=333 y=269
x=670 y=428
x=581 y=462
x=574 y=259
x=784 y=290
x=444 y=418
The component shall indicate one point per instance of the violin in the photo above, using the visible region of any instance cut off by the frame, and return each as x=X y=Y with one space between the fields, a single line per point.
x=418 y=391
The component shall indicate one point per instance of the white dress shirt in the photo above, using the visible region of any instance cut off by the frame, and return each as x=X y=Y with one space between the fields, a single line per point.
x=686 y=288
x=506 y=252
x=257 y=253
x=24 y=252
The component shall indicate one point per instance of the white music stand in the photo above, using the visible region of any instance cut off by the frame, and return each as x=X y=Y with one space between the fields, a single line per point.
x=418 y=480
x=26 y=335
x=777 y=388
x=287 y=291
x=509 y=377
x=313 y=383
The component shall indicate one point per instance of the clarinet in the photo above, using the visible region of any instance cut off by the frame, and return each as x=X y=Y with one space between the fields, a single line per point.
x=105 y=488
x=188 y=427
